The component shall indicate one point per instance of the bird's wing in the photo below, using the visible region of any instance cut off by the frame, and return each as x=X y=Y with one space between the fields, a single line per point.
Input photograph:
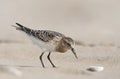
x=44 y=35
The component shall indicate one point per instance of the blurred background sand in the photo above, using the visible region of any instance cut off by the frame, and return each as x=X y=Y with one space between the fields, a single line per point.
x=94 y=22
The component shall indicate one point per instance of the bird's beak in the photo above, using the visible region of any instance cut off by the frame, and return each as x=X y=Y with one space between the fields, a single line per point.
x=72 y=49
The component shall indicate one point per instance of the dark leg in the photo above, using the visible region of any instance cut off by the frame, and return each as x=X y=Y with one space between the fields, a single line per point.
x=50 y=59
x=42 y=60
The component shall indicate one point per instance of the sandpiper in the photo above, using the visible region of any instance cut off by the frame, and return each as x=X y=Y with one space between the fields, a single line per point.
x=48 y=41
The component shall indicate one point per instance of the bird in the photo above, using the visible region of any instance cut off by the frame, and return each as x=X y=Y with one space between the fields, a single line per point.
x=48 y=41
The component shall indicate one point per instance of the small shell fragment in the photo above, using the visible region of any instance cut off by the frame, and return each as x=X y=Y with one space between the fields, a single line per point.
x=95 y=68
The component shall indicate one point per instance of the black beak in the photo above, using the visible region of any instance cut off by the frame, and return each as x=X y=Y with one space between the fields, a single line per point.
x=72 y=49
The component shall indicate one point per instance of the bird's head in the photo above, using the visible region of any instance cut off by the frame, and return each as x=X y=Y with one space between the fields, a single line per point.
x=69 y=43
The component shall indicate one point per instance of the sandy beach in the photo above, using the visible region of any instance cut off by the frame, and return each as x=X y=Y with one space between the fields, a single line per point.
x=94 y=24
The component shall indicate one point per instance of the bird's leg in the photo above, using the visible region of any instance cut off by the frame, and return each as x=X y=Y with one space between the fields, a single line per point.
x=42 y=60
x=50 y=59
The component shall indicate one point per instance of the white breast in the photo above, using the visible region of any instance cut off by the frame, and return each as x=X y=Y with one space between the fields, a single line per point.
x=45 y=46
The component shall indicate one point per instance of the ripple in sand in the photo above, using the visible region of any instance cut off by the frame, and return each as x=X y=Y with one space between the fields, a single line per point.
x=10 y=69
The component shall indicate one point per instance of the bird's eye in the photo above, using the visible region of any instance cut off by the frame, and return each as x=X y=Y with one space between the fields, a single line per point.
x=68 y=44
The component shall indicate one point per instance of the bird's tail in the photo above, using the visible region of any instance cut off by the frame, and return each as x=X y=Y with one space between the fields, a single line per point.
x=22 y=28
